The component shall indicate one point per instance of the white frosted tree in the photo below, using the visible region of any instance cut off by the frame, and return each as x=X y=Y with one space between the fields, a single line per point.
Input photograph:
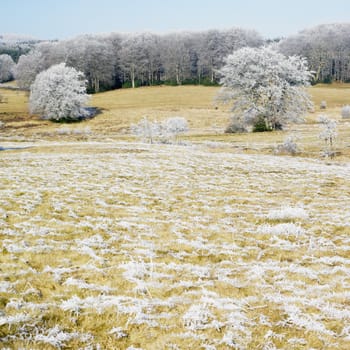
x=265 y=87
x=59 y=93
x=326 y=48
x=27 y=68
x=328 y=134
x=94 y=56
x=165 y=132
x=146 y=130
x=6 y=68
x=173 y=127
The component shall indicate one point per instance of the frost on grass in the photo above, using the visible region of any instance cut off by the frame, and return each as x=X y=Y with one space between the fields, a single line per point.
x=172 y=246
x=288 y=213
x=197 y=317
x=11 y=320
x=288 y=229
x=58 y=338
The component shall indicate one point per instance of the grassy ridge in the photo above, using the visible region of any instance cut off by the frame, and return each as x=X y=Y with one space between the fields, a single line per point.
x=122 y=108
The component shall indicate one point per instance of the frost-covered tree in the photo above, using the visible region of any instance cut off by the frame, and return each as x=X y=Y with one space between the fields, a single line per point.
x=59 y=93
x=164 y=132
x=27 y=68
x=133 y=58
x=6 y=68
x=173 y=127
x=327 y=49
x=265 y=86
x=94 y=56
x=146 y=130
x=328 y=134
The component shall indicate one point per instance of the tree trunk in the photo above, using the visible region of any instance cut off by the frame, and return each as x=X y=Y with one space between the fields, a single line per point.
x=178 y=82
x=97 y=84
x=132 y=76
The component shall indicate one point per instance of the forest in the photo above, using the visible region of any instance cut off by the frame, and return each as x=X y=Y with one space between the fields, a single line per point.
x=119 y=60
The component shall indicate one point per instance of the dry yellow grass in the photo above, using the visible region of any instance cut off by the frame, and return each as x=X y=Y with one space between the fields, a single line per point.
x=207 y=120
x=195 y=103
x=111 y=244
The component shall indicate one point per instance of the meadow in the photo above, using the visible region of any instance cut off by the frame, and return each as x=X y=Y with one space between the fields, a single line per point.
x=216 y=242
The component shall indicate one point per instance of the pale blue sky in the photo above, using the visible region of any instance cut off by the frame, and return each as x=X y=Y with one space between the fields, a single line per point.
x=61 y=19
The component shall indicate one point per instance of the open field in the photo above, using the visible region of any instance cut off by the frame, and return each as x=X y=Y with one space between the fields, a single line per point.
x=108 y=243
x=207 y=120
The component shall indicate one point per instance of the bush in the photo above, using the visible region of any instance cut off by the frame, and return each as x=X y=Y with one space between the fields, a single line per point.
x=172 y=127
x=146 y=130
x=289 y=146
x=171 y=82
x=208 y=82
x=236 y=126
x=128 y=84
x=327 y=80
x=323 y=105
x=328 y=134
x=165 y=132
x=261 y=125
x=345 y=112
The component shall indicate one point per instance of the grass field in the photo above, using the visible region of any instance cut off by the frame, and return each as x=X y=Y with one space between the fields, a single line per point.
x=207 y=119
x=217 y=243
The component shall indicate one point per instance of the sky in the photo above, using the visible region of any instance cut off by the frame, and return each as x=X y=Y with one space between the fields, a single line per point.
x=63 y=19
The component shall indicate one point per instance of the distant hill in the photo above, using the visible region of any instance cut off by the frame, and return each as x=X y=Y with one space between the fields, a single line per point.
x=16 y=45
x=16 y=39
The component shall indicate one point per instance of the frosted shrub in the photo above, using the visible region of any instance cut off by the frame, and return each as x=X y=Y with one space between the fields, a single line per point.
x=287 y=213
x=328 y=134
x=236 y=126
x=172 y=127
x=164 y=132
x=146 y=130
x=289 y=146
x=345 y=112
x=323 y=105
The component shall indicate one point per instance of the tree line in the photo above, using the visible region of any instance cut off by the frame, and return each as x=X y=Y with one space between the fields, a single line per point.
x=129 y=60
x=327 y=49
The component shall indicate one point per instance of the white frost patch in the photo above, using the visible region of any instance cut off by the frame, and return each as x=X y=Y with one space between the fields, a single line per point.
x=5 y=286
x=84 y=285
x=56 y=337
x=197 y=317
x=18 y=318
x=288 y=213
x=118 y=332
x=304 y=321
x=288 y=229
x=229 y=339
x=58 y=272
